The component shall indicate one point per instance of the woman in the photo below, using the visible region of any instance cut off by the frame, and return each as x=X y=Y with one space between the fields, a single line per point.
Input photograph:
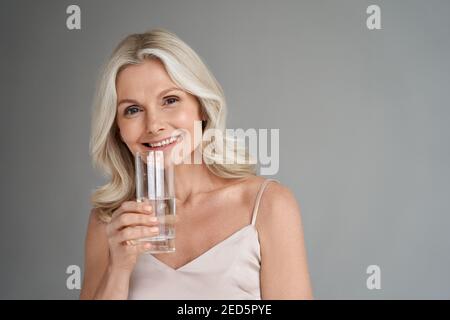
x=238 y=236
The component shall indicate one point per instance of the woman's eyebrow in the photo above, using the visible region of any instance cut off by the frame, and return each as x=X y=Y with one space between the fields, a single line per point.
x=167 y=90
x=159 y=95
x=127 y=101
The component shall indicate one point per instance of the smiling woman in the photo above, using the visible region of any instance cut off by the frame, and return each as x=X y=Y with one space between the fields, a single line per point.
x=153 y=91
x=159 y=114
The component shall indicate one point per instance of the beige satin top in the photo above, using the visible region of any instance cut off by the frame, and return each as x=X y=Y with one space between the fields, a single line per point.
x=228 y=270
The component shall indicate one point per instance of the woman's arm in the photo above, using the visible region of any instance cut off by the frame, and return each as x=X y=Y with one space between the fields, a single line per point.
x=100 y=281
x=284 y=268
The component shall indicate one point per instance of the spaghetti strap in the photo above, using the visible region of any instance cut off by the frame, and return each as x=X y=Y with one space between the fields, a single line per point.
x=258 y=198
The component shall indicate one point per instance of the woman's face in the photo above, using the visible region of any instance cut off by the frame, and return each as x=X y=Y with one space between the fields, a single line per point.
x=151 y=108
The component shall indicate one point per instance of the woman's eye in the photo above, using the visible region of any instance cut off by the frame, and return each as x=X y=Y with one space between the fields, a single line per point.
x=170 y=100
x=129 y=110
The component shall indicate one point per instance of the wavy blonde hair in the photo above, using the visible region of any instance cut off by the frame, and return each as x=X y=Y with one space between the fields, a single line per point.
x=109 y=153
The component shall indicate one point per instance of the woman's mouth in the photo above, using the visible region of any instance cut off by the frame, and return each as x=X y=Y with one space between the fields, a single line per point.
x=162 y=145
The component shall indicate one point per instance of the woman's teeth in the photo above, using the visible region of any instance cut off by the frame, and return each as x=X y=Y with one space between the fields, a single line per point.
x=162 y=143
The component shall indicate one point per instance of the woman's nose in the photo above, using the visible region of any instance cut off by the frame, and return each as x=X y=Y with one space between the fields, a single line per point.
x=155 y=124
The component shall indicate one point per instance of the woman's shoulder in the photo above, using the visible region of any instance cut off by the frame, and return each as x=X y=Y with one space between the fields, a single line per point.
x=274 y=196
x=274 y=189
x=277 y=200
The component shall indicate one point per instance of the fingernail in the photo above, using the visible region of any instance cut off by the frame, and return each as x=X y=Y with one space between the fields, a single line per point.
x=148 y=208
x=153 y=219
x=154 y=229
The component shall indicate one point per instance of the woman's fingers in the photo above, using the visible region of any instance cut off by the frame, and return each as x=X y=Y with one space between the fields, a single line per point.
x=138 y=247
x=134 y=233
x=134 y=219
x=132 y=206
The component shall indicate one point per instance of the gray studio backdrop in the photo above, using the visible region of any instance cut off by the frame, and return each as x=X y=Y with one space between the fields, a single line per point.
x=362 y=116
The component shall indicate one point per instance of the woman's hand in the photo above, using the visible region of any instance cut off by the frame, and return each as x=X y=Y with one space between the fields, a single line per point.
x=130 y=222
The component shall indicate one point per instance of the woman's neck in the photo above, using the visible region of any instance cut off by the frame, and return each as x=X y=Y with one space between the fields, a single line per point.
x=194 y=179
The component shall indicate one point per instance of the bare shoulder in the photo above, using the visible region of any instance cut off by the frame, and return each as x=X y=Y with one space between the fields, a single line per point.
x=275 y=197
x=94 y=219
x=96 y=255
x=284 y=269
x=277 y=201
x=278 y=210
x=96 y=227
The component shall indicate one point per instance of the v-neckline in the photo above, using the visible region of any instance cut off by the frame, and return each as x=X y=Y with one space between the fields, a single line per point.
x=234 y=234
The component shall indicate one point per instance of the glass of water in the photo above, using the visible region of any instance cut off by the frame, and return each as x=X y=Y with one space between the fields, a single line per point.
x=155 y=185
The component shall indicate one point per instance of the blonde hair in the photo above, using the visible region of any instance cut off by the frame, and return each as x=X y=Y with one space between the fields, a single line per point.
x=112 y=157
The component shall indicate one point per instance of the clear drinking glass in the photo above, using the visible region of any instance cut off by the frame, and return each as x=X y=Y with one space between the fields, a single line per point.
x=155 y=185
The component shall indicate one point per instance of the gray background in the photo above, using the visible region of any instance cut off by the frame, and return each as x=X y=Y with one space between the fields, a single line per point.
x=362 y=117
